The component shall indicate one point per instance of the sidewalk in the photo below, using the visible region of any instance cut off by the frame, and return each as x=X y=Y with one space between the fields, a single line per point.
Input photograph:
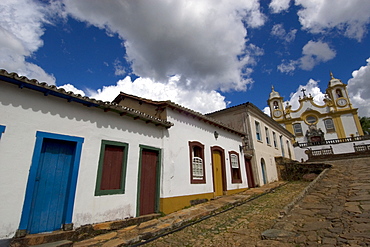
x=174 y=221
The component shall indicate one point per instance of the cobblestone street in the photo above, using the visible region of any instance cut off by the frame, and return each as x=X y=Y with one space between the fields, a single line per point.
x=336 y=213
x=240 y=226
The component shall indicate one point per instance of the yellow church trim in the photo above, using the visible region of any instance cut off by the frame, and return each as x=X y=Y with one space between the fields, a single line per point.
x=358 y=124
x=289 y=127
x=339 y=126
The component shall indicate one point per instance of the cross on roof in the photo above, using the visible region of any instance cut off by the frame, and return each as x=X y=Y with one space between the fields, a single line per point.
x=303 y=91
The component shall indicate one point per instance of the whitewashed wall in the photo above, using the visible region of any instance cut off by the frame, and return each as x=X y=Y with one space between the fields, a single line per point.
x=176 y=162
x=24 y=112
x=266 y=151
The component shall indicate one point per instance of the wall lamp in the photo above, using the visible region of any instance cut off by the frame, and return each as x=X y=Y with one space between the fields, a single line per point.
x=215 y=134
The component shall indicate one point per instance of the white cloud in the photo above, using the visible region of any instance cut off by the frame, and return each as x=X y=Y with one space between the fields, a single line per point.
x=312 y=89
x=313 y=54
x=21 y=28
x=200 y=41
x=348 y=17
x=359 y=89
x=71 y=88
x=118 y=68
x=287 y=67
x=278 y=6
x=201 y=101
x=279 y=31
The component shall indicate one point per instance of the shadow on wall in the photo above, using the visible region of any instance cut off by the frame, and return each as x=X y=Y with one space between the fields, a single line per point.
x=51 y=105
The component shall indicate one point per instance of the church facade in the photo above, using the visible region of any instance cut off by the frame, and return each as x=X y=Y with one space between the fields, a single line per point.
x=312 y=123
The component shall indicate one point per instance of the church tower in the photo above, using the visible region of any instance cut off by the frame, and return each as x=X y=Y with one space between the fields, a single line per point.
x=338 y=94
x=275 y=103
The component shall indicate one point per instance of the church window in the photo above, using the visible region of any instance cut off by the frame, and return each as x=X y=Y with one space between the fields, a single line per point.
x=297 y=129
x=311 y=119
x=258 y=131
x=329 y=125
x=339 y=93
x=235 y=167
x=276 y=105
x=197 y=169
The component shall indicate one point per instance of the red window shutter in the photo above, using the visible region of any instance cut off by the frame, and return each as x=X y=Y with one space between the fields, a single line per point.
x=112 y=168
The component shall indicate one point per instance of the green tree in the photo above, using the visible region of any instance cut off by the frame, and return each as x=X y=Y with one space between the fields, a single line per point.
x=365 y=124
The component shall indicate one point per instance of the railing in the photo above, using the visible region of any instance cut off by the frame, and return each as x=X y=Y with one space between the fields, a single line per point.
x=361 y=148
x=333 y=141
x=319 y=152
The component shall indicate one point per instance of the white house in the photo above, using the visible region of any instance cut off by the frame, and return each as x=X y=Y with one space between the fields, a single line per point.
x=265 y=139
x=67 y=160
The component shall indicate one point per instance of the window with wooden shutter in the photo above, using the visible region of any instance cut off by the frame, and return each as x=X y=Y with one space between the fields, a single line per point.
x=197 y=169
x=112 y=168
x=235 y=167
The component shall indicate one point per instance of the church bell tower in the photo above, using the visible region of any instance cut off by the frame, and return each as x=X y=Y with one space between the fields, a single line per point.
x=275 y=103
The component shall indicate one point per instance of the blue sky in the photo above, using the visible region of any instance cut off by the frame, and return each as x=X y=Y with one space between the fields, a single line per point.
x=201 y=54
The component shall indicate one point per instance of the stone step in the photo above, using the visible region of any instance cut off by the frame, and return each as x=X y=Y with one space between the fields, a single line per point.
x=62 y=243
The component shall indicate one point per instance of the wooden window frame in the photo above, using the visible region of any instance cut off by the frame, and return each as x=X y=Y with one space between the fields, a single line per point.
x=236 y=176
x=194 y=180
x=121 y=190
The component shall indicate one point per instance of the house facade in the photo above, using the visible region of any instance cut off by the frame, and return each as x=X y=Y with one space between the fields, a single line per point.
x=202 y=157
x=265 y=140
x=312 y=123
x=68 y=160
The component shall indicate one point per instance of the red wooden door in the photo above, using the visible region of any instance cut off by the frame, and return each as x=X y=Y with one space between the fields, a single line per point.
x=250 y=177
x=148 y=181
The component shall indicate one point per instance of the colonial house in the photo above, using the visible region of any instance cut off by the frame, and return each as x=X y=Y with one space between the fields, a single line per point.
x=265 y=139
x=68 y=160
x=335 y=121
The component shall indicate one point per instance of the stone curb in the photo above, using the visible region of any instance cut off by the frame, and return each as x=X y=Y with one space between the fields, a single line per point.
x=306 y=190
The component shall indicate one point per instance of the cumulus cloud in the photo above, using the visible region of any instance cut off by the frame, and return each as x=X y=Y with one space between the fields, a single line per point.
x=313 y=53
x=21 y=28
x=348 y=17
x=202 y=42
x=312 y=89
x=71 y=88
x=279 y=31
x=277 y=6
x=359 y=89
x=201 y=101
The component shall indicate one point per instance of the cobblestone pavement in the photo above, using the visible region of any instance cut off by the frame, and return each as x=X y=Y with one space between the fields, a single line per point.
x=335 y=213
x=240 y=226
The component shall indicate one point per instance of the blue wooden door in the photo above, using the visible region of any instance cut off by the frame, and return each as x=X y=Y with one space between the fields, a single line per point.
x=49 y=201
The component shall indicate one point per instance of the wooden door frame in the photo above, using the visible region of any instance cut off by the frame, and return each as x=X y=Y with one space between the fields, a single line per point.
x=158 y=179
x=30 y=188
x=250 y=179
x=223 y=168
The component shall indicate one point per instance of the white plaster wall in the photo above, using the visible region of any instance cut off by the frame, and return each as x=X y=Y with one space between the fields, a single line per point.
x=176 y=163
x=24 y=112
x=268 y=152
x=349 y=125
